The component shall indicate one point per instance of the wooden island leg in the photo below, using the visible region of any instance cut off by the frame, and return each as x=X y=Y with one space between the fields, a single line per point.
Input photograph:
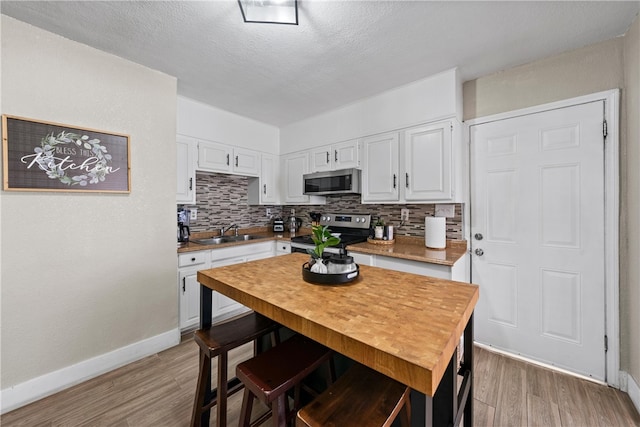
x=206 y=308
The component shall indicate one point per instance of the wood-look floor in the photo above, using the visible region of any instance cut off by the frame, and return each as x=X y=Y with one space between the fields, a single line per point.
x=158 y=391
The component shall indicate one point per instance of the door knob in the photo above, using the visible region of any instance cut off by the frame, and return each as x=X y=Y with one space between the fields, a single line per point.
x=478 y=236
x=479 y=252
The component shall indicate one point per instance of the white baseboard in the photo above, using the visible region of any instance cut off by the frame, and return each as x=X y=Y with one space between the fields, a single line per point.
x=37 y=388
x=634 y=391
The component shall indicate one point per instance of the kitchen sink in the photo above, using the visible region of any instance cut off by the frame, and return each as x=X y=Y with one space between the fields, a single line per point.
x=224 y=239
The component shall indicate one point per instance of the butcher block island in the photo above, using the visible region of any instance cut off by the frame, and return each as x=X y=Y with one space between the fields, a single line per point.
x=405 y=326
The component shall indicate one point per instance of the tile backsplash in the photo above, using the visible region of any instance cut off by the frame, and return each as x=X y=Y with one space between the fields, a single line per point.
x=222 y=201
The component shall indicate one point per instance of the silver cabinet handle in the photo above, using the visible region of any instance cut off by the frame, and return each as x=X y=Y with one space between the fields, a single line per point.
x=236 y=161
x=479 y=252
x=264 y=189
x=394 y=180
x=227 y=160
x=336 y=155
x=406 y=175
x=190 y=183
x=327 y=157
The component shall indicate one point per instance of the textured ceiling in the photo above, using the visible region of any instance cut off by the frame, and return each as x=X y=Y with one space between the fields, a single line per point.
x=341 y=51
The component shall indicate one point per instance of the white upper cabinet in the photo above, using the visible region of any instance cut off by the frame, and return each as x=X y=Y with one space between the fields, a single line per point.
x=427 y=162
x=295 y=165
x=381 y=168
x=216 y=157
x=246 y=162
x=265 y=190
x=412 y=165
x=343 y=155
x=186 y=171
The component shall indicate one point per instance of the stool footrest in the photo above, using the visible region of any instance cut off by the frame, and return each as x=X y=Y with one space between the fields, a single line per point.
x=234 y=385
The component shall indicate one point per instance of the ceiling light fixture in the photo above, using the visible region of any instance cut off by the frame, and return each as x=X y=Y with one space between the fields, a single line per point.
x=270 y=11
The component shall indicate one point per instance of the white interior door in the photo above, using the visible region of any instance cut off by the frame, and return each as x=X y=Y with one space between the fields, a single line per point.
x=537 y=236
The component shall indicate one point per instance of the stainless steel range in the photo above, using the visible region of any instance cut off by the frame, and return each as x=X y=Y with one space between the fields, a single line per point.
x=351 y=228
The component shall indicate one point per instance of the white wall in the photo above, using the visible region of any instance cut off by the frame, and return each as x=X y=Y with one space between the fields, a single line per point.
x=203 y=121
x=631 y=203
x=432 y=98
x=86 y=275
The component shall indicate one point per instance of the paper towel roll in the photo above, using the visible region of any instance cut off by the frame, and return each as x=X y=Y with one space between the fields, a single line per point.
x=435 y=232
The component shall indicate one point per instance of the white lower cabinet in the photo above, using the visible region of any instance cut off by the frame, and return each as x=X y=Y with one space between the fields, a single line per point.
x=188 y=286
x=223 y=307
x=191 y=262
x=457 y=272
x=283 y=248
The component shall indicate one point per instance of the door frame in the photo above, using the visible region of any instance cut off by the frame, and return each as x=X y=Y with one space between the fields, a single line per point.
x=611 y=100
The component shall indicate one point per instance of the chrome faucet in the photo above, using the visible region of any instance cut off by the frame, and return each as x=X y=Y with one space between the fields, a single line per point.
x=224 y=230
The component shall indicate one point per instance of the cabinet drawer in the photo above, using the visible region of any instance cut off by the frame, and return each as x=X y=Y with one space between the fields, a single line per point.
x=192 y=258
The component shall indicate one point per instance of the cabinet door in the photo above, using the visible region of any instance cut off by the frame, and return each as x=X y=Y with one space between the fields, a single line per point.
x=186 y=171
x=414 y=267
x=222 y=304
x=283 y=248
x=295 y=166
x=189 y=290
x=322 y=159
x=346 y=155
x=380 y=173
x=269 y=193
x=427 y=163
x=246 y=162
x=214 y=157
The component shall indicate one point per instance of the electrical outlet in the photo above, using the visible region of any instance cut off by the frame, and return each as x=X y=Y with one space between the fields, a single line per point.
x=268 y=212
x=447 y=211
x=404 y=214
x=193 y=215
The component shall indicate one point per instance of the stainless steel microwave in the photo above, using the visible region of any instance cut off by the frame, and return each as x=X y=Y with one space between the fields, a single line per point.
x=345 y=181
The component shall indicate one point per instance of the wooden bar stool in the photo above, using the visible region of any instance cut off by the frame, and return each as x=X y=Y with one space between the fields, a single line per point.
x=361 y=397
x=217 y=340
x=270 y=375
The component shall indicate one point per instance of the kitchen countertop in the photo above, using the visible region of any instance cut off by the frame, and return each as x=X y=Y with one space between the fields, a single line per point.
x=403 y=325
x=413 y=248
x=262 y=234
x=405 y=247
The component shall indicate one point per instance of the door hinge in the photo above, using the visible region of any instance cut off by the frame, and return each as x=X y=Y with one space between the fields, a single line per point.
x=604 y=129
x=606 y=343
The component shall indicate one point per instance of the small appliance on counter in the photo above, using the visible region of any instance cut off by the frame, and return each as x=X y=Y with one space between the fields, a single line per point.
x=278 y=225
x=184 y=217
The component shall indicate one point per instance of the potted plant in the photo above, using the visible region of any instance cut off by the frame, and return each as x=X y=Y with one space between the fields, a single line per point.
x=322 y=237
x=379 y=228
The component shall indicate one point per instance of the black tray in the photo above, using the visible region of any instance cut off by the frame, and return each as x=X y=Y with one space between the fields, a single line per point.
x=328 y=279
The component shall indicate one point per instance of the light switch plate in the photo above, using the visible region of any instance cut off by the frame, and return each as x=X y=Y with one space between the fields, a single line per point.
x=194 y=214
x=447 y=211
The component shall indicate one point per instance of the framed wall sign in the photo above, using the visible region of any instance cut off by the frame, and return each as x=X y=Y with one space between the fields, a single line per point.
x=44 y=156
